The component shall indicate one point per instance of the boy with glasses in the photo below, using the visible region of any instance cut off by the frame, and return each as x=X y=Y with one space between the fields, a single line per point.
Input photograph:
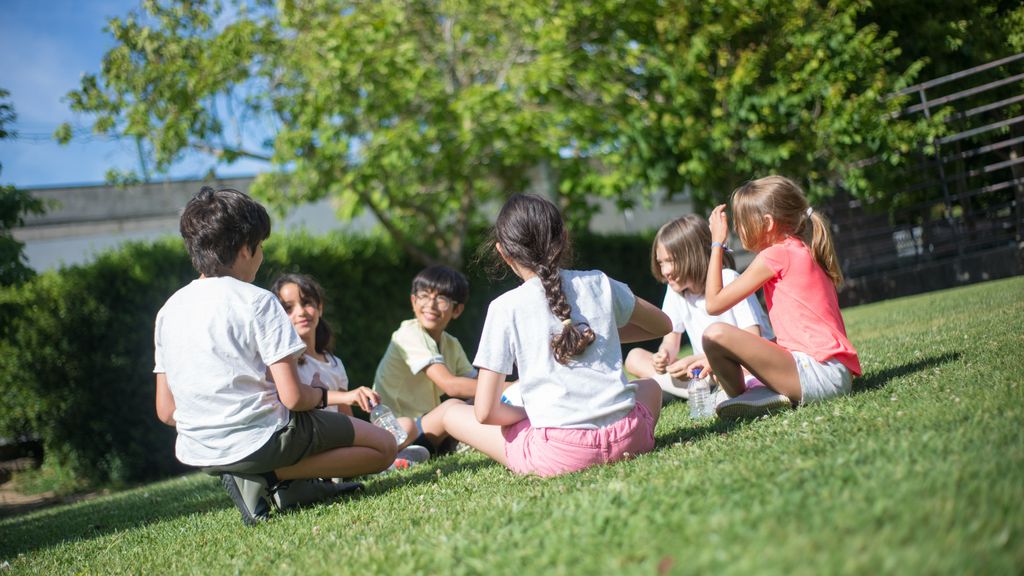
x=423 y=364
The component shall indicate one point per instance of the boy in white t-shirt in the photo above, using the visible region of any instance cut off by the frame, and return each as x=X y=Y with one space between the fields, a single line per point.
x=215 y=340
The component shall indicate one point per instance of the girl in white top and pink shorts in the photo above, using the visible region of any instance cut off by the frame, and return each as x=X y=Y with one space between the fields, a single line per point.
x=562 y=329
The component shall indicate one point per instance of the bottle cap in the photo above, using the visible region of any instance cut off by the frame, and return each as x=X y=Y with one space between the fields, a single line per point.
x=695 y=372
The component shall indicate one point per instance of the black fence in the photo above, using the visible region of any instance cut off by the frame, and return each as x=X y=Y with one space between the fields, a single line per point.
x=960 y=217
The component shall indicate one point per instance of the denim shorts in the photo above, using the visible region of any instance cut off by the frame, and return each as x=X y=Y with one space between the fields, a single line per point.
x=553 y=451
x=821 y=380
x=305 y=434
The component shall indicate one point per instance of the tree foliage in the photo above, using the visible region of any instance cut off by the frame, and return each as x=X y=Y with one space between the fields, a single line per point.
x=948 y=36
x=424 y=112
x=14 y=205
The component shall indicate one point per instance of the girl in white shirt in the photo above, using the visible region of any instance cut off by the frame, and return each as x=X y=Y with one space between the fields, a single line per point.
x=679 y=259
x=303 y=301
x=562 y=329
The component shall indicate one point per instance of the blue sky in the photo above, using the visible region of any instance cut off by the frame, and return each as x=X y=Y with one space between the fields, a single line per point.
x=45 y=47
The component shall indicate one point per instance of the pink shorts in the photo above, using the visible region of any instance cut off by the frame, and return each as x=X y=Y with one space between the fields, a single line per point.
x=554 y=451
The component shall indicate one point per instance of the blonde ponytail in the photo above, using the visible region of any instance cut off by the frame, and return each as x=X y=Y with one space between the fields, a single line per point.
x=823 y=249
x=786 y=203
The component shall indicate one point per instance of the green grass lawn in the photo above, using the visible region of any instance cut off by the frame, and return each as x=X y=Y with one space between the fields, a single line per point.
x=920 y=470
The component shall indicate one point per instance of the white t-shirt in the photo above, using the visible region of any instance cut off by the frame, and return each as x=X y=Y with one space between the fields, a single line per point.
x=591 y=391
x=689 y=313
x=332 y=373
x=214 y=339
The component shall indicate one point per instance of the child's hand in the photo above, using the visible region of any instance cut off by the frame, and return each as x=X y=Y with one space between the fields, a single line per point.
x=719 y=223
x=702 y=365
x=365 y=397
x=683 y=369
x=660 y=361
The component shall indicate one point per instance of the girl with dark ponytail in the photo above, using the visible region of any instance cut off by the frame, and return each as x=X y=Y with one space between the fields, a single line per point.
x=562 y=329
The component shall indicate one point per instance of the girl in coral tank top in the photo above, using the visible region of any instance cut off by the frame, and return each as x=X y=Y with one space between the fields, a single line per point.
x=812 y=359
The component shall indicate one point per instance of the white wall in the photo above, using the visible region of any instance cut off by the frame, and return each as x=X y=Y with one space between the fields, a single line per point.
x=87 y=220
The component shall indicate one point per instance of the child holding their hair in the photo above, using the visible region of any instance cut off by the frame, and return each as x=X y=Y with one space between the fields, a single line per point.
x=812 y=359
x=562 y=329
x=679 y=259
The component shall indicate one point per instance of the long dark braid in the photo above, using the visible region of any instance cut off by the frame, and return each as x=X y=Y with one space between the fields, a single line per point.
x=531 y=233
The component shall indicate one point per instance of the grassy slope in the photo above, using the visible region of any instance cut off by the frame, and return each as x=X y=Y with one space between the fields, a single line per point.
x=921 y=470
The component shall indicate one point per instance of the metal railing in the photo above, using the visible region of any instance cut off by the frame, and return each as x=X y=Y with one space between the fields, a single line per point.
x=968 y=193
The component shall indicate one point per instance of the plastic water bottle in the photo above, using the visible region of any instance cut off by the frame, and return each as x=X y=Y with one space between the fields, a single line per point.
x=699 y=392
x=381 y=415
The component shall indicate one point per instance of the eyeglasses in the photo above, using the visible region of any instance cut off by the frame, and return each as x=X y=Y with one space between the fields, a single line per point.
x=443 y=303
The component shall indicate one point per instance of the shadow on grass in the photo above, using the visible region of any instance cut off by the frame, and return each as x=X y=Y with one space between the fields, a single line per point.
x=874 y=380
x=157 y=503
x=707 y=429
x=426 y=472
x=97 y=517
x=162 y=502
x=870 y=381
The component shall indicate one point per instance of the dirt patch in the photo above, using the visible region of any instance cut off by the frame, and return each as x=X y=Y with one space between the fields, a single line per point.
x=13 y=502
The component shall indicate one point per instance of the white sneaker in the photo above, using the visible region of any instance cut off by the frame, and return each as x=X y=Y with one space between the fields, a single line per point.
x=414 y=453
x=720 y=396
x=755 y=402
x=407 y=458
x=673 y=386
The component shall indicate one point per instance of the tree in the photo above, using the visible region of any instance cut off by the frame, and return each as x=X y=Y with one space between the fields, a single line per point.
x=715 y=93
x=14 y=205
x=949 y=35
x=424 y=112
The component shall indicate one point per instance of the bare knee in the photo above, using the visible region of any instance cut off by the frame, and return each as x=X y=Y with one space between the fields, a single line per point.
x=455 y=414
x=635 y=356
x=447 y=404
x=716 y=335
x=437 y=415
x=383 y=442
x=636 y=360
x=447 y=417
x=649 y=394
x=433 y=422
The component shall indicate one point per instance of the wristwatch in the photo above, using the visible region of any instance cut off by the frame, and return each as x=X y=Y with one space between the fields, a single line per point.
x=323 y=397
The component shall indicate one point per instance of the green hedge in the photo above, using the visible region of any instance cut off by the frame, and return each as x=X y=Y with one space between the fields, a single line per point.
x=76 y=361
x=76 y=346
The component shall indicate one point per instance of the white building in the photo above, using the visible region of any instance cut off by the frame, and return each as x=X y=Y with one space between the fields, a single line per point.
x=83 y=221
